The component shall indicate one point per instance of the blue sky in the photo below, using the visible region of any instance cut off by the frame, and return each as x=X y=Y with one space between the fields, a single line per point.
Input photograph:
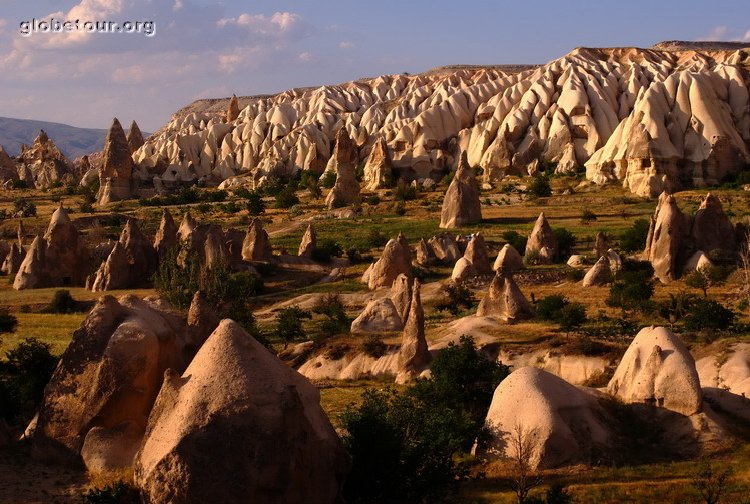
x=213 y=48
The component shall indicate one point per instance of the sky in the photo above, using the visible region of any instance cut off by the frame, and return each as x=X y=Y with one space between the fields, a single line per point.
x=213 y=48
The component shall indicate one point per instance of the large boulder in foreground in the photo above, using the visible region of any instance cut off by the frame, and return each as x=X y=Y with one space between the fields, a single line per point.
x=657 y=369
x=238 y=414
x=555 y=422
x=461 y=205
x=98 y=400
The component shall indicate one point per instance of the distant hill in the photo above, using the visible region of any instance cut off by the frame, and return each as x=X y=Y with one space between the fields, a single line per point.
x=72 y=141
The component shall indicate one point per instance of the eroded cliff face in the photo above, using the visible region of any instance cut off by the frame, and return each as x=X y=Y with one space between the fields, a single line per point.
x=665 y=118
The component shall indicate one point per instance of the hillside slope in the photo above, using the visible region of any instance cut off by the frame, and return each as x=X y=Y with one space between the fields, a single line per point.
x=72 y=141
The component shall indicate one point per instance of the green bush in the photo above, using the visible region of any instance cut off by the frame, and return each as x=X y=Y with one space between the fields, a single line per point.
x=373 y=200
x=328 y=179
x=62 y=302
x=8 y=321
x=374 y=346
x=633 y=286
x=708 y=315
x=549 y=307
x=23 y=376
x=458 y=297
x=587 y=216
x=558 y=309
x=326 y=250
x=289 y=324
x=254 y=203
x=516 y=240
x=19 y=184
x=405 y=192
x=565 y=243
x=633 y=239
x=399 y=208
x=286 y=198
x=376 y=239
x=117 y=493
x=24 y=208
x=334 y=320
x=408 y=446
x=539 y=187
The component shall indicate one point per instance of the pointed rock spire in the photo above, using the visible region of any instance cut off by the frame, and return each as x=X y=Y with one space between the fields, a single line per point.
x=504 y=300
x=187 y=226
x=257 y=245
x=600 y=274
x=542 y=241
x=414 y=356
x=669 y=230
x=401 y=293
x=135 y=137
x=116 y=169
x=166 y=236
x=395 y=260
x=508 y=259
x=461 y=205
x=378 y=168
x=308 y=243
x=233 y=111
x=346 y=189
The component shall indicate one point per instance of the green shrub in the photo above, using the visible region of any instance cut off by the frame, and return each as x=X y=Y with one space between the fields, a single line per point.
x=374 y=346
x=23 y=376
x=516 y=240
x=286 y=198
x=328 y=179
x=558 y=309
x=458 y=297
x=24 y=208
x=254 y=203
x=376 y=239
x=326 y=250
x=289 y=324
x=373 y=200
x=334 y=320
x=633 y=239
x=399 y=208
x=708 y=315
x=587 y=216
x=549 y=307
x=8 y=321
x=633 y=286
x=565 y=243
x=405 y=192
x=117 y=493
x=62 y=302
x=539 y=187
x=19 y=184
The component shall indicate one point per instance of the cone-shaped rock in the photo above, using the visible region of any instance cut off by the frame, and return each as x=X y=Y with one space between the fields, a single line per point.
x=308 y=243
x=414 y=356
x=508 y=259
x=166 y=236
x=504 y=300
x=600 y=274
x=425 y=256
x=43 y=165
x=8 y=169
x=542 y=241
x=346 y=189
x=401 y=292
x=239 y=414
x=32 y=272
x=380 y=315
x=657 y=369
x=600 y=245
x=378 y=168
x=666 y=238
x=139 y=251
x=558 y=422
x=187 y=226
x=712 y=228
x=202 y=320
x=216 y=252
x=135 y=137
x=98 y=400
x=114 y=273
x=463 y=270
x=21 y=233
x=257 y=245
x=461 y=205
x=116 y=169
x=445 y=247
x=395 y=260
x=477 y=254
x=13 y=260
x=233 y=111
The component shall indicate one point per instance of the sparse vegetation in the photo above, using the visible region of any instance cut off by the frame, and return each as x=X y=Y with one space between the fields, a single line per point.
x=457 y=297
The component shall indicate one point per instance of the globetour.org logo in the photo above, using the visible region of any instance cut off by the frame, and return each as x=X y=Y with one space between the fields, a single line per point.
x=52 y=25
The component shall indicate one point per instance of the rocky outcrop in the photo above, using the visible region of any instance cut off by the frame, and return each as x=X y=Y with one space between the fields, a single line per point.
x=98 y=400
x=43 y=165
x=504 y=300
x=414 y=356
x=257 y=246
x=394 y=261
x=215 y=250
x=262 y=424
x=345 y=190
x=424 y=254
x=657 y=369
x=552 y=421
x=8 y=168
x=600 y=274
x=463 y=270
x=478 y=255
x=445 y=248
x=187 y=226
x=58 y=259
x=233 y=111
x=308 y=243
x=667 y=237
x=601 y=244
x=135 y=137
x=727 y=368
x=508 y=259
x=116 y=170
x=461 y=205
x=378 y=168
x=13 y=260
x=114 y=273
x=401 y=293
x=711 y=229
x=166 y=235
x=131 y=263
x=542 y=243
x=379 y=316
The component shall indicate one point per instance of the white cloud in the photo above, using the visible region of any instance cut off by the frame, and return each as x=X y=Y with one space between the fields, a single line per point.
x=278 y=23
x=346 y=44
x=3 y=24
x=724 y=33
x=305 y=57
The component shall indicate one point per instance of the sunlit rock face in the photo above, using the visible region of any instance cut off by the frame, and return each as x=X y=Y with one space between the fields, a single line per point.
x=656 y=119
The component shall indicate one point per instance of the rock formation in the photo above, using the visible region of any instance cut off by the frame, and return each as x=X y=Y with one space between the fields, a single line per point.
x=461 y=205
x=555 y=421
x=413 y=357
x=600 y=274
x=395 y=260
x=215 y=251
x=135 y=137
x=262 y=424
x=380 y=315
x=131 y=263
x=463 y=270
x=477 y=254
x=445 y=248
x=308 y=243
x=401 y=293
x=424 y=254
x=727 y=369
x=344 y=161
x=58 y=259
x=13 y=260
x=658 y=370
x=504 y=300
x=257 y=245
x=114 y=273
x=233 y=111
x=166 y=236
x=378 y=168
x=42 y=164
x=116 y=170
x=542 y=241
x=711 y=229
x=8 y=168
x=508 y=259
x=187 y=226
x=665 y=245
x=600 y=245
x=98 y=400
